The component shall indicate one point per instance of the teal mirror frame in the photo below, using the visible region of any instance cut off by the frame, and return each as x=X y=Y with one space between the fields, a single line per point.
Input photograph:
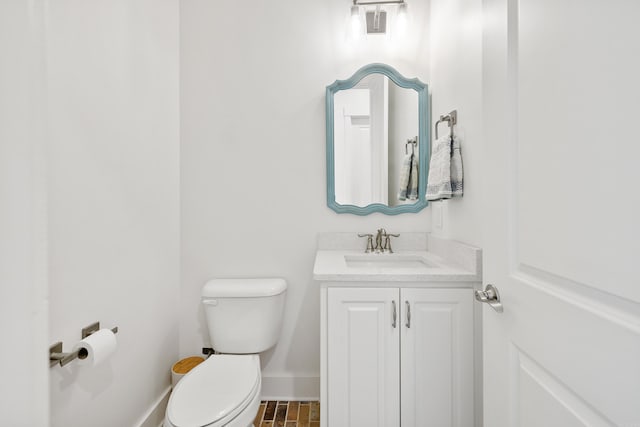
x=423 y=140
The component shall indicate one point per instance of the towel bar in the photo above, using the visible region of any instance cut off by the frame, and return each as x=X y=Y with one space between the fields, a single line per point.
x=451 y=119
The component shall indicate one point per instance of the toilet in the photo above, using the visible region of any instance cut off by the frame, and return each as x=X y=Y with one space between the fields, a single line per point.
x=244 y=317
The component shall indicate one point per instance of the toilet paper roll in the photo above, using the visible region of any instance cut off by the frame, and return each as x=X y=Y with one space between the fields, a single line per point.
x=96 y=348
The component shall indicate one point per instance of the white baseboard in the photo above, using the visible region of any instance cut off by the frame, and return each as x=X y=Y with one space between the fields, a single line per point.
x=290 y=388
x=154 y=417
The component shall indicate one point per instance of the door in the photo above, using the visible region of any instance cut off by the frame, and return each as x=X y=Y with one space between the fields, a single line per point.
x=562 y=236
x=361 y=142
x=363 y=357
x=437 y=357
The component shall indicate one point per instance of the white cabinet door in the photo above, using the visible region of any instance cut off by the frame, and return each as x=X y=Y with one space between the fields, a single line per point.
x=437 y=357
x=363 y=357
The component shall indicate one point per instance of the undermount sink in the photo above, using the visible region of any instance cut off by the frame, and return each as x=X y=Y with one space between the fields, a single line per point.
x=387 y=261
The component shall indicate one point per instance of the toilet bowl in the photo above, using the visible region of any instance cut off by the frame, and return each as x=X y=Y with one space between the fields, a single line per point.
x=224 y=390
x=244 y=317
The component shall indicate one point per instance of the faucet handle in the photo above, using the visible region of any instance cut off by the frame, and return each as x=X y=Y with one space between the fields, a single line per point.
x=387 y=242
x=369 y=242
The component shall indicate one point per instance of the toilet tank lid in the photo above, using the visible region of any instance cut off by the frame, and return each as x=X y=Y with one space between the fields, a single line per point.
x=243 y=288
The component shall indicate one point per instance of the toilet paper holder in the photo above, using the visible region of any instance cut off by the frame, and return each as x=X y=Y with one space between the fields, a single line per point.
x=56 y=355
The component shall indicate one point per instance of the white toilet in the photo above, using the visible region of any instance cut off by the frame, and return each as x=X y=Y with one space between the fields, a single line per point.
x=244 y=317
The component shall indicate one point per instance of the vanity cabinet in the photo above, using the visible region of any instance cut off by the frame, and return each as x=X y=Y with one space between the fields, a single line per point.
x=397 y=356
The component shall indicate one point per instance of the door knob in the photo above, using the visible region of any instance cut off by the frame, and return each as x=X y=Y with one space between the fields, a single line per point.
x=491 y=296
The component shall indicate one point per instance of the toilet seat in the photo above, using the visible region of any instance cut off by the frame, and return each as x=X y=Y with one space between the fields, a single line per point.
x=215 y=392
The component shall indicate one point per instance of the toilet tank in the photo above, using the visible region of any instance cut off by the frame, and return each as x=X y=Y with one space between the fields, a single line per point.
x=244 y=315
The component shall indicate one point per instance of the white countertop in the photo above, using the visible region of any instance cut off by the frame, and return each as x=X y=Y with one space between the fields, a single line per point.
x=331 y=265
x=444 y=260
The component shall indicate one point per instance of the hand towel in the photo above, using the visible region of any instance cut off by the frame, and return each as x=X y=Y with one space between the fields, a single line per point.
x=409 y=178
x=445 y=178
x=456 y=169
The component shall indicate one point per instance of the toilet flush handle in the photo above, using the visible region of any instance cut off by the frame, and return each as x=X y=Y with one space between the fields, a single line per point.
x=213 y=302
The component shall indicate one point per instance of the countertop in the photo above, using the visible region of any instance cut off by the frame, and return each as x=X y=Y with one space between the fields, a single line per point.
x=447 y=261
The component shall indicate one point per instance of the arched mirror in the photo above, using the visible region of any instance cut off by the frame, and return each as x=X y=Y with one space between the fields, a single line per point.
x=377 y=142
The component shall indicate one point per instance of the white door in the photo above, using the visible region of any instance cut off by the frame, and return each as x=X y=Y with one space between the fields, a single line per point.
x=363 y=375
x=561 y=91
x=437 y=357
x=361 y=142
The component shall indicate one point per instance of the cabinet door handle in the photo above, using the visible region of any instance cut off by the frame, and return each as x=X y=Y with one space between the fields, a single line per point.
x=395 y=313
x=408 y=324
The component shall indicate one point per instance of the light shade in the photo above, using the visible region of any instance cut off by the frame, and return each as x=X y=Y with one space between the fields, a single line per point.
x=356 y=25
x=402 y=10
x=401 y=18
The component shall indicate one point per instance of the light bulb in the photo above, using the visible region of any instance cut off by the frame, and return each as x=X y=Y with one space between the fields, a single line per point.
x=356 y=24
x=401 y=20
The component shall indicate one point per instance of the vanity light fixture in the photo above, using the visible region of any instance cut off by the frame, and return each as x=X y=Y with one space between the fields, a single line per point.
x=376 y=19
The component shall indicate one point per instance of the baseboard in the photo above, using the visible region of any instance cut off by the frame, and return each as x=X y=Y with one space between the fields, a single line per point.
x=290 y=388
x=154 y=417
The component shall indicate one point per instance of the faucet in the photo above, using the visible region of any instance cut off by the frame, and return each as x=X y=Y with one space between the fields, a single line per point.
x=381 y=233
x=383 y=242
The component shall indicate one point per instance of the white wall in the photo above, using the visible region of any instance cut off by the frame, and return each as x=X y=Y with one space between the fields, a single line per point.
x=23 y=285
x=253 y=76
x=456 y=84
x=456 y=77
x=112 y=71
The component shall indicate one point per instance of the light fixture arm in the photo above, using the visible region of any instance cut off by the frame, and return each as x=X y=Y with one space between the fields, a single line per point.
x=366 y=3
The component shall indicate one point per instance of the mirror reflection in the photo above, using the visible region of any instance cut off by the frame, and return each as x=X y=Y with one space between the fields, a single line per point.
x=375 y=133
x=377 y=142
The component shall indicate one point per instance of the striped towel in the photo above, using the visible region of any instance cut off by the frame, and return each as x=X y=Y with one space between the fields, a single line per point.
x=409 y=178
x=445 y=170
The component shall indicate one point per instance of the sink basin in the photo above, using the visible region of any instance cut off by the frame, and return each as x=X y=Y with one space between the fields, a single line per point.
x=387 y=261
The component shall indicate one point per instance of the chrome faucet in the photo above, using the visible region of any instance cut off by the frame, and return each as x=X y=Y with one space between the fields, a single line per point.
x=381 y=234
x=383 y=242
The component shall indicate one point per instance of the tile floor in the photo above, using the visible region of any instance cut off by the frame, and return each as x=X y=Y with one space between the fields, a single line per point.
x=274 y=413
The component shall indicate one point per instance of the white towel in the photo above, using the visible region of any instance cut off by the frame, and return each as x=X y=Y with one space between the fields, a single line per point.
x=445 y=170
x=409 y=178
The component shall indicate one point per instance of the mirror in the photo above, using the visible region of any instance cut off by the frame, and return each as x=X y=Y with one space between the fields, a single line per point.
x=377 y=142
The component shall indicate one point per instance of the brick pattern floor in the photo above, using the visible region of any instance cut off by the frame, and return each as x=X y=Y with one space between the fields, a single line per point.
x=274 y=413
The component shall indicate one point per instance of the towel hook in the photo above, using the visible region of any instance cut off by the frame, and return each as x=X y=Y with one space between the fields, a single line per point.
x=451 y=119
